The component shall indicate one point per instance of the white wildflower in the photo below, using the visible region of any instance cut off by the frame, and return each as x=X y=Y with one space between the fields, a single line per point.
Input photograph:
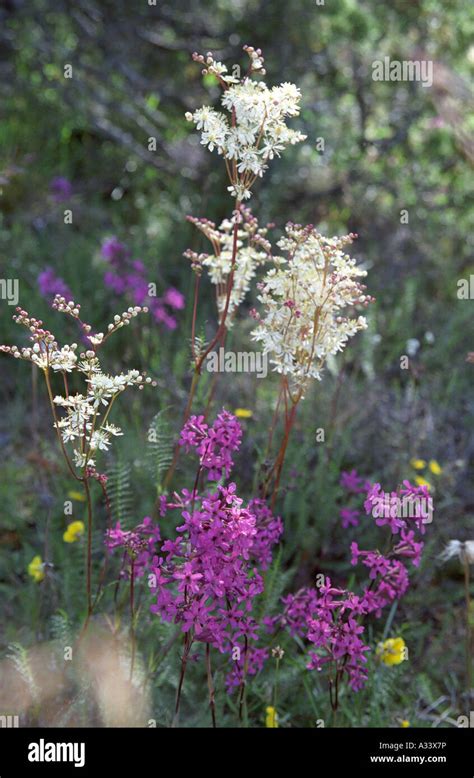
x=304 y=299
x=256 y=131
x=253 y=250
x=112 y=429
x=81 y=459
x=99 y=440
x=79 y=412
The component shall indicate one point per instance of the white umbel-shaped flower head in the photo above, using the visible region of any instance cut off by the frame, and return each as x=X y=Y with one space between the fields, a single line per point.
x=305 y=300
x=255 y=130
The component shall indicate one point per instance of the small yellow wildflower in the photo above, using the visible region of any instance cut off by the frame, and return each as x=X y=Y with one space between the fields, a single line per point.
x=73 y=532
x=418 y=464
x=404 y=723
x=76 y=496
x=243 y=413
x=36 y=569
x=392 y=651
x=435 y=468
x=422 y=481
x=271 y=719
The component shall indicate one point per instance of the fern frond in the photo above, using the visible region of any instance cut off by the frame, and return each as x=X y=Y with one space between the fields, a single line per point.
x=18 y=655
x=61 y=628
x=120 y=492
x=160 y=449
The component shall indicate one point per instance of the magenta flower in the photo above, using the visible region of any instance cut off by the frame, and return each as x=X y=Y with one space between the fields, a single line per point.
x=349 y=517
x=206 y=579
x=188 y=579
x=60 y=188
x=174 y=299
x=215 y=445
x=328 y=617
x=351 y=481
x=128 y=276
x=114 y=251
x=49 y=285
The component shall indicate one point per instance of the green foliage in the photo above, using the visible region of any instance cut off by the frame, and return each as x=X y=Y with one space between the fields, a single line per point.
x=18 y=655
x=160 y=448
x=120 y=492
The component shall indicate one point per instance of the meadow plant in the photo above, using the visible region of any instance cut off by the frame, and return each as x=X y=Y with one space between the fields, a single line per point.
x=304 y=320
x=207 y=578
x=248 y=137
x=331 y=618
x=81 y=419
x=305 y=295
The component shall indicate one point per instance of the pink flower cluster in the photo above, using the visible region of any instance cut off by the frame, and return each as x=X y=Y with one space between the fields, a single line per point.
x=329 y=618
x=128 y=277
x=354 y=485
x=215 y=445
x=395 y=509
x=207 y=577
x=138 y=544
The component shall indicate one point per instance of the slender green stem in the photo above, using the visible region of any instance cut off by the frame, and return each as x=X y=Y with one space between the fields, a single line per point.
x=187 y=642
x=210 y=685
x=467 y=587
x=275 y=688
x=132 y=617
x=88 y=547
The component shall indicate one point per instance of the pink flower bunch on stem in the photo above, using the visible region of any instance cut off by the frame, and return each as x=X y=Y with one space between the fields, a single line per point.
x=330 y=618
x=207 y=577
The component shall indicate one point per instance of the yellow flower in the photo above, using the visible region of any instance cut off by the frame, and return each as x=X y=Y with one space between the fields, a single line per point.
x=36 y=569
x=271 y=719
x=74 y=532
x=422 y=481
x=417 y=464
x=76 y=496
x=404 y=723
x=243 y=413
x=435 y=467
x=392 y=651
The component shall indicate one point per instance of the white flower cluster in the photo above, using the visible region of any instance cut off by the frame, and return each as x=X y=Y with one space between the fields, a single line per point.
x=303 y=299
x=45 y=352
x=81 y=424
x=253 y=250
x=82 y=412
x=256 y=131
x=78 y=426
